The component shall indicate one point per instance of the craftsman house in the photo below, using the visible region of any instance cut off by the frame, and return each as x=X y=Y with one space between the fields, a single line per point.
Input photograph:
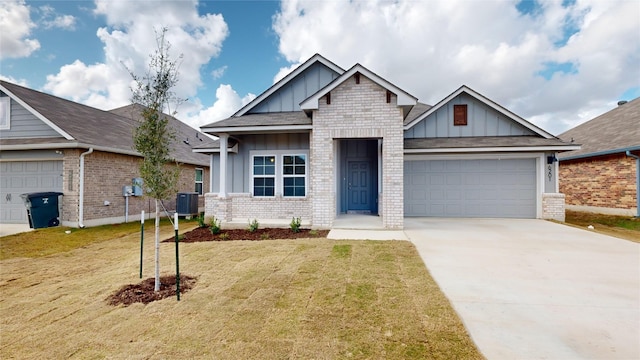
x=51 y=144
x=603 y=176
x=325 y=141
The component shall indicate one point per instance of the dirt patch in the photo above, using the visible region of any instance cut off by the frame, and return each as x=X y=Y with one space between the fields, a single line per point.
x=143 y=292
x=204 y=234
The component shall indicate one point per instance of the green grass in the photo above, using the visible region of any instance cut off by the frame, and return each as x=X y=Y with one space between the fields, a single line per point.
x=625 y=227
x=48 y=241
x=276 y=299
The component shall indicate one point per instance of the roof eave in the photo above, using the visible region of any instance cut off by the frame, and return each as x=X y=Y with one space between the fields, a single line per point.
x=315 y=58
x=493 y=149
x=601 y=153
x=487 y=102
x=28 y=107
x=403 y=97
x=256 y=129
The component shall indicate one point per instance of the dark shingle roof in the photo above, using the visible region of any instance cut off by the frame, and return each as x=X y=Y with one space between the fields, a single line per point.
x=416 y=111
x=93 y=127
x=618 y=129
x=482 y=142
x=263 y=119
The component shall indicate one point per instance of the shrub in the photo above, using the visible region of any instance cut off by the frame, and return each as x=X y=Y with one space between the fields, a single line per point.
x=224 y=236
x=214 y=226
x=295 y=224
x=253 y=225
x=200 y=219
x=264 y=236
x=313 y=233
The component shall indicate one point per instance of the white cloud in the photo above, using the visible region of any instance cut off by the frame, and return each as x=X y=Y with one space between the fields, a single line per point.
x=11 y=79
x=15 y=29
x=51 y=19
x=219 y=72
x=430 y=48
x=129 y=39
x=227 y=102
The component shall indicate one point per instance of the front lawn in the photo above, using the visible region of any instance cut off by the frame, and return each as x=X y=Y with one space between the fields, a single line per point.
x=276 y=299
x=625 y=227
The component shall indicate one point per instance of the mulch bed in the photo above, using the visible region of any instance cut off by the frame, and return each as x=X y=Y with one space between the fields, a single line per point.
x=143 y=292
x=204 y=234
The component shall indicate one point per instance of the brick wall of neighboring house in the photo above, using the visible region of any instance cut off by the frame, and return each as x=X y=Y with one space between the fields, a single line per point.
x=600 y=182
x=105 y=175
x=357 y=111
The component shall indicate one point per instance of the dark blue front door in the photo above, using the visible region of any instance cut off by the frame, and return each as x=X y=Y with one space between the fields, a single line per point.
x=359 y=186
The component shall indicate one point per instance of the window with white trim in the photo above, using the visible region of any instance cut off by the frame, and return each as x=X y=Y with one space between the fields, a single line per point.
x=294 y=173
x=264 y=175
x=199 y=181
x=5 y=112
x=279 y=173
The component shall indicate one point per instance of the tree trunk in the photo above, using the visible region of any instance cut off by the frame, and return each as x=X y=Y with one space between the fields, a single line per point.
x=157 y=233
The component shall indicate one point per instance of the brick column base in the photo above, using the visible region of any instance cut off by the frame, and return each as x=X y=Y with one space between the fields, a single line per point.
x=553 y=206
x=218 y=207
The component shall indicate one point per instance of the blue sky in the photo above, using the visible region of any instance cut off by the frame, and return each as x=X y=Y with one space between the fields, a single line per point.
x=555 y=63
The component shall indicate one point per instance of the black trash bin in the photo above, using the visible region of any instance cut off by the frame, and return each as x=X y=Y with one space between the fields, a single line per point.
x=42 y=209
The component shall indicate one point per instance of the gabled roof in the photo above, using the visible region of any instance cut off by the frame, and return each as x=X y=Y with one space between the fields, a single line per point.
x=277 y=121
x=615 y=131
x=404 y=98
x=275 y=87
x=486 y=101
x=82 y=126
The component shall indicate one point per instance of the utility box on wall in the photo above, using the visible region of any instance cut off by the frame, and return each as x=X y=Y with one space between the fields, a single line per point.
x=137 y=186
x=187 y=204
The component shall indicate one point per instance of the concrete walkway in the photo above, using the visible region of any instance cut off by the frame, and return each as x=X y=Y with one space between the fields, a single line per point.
x=10 y=229
x=533 y=289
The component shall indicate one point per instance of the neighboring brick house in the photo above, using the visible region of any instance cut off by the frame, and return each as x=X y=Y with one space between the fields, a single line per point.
x=324 y=141
x=603 y=175
x=52 y=144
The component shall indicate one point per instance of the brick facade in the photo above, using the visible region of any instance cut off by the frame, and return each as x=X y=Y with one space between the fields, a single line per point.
x=240 y=207
x=357 y=111
x=105 y=175
x=553 y=206
x=605 y=182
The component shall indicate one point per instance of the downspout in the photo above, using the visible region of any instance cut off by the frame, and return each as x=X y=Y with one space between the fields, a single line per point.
x=81 y=200
x=637 y=181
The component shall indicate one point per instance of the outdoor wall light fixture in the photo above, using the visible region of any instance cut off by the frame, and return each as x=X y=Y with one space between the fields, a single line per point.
x=551 y=159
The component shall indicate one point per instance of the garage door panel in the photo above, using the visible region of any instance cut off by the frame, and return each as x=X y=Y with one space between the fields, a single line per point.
x=25 y=177
x=471 y=188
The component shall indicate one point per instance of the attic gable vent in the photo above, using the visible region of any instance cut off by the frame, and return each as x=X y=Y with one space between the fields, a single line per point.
x=459 y=115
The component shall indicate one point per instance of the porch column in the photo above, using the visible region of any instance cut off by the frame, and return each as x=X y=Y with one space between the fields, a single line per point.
x=210 y=173
x=224 y=140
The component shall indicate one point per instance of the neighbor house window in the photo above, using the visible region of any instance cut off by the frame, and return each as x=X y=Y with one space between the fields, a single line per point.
x=459 y=115
x=281 y=173
x=5 y=112
x=199 y=182
x=264 y=175
x=294 y=171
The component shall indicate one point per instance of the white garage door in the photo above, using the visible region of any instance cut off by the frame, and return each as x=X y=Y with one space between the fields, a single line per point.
x=470 y=188
x=20 y=177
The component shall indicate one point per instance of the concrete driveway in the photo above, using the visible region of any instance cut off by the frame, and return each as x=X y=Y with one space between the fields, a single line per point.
x=533 y=289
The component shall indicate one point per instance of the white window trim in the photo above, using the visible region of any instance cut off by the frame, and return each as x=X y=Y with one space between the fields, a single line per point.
x=7 y=113
x=279 y=176
x=201 y=181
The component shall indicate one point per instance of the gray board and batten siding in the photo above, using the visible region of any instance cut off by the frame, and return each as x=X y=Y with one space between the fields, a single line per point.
x=25 y=125
x=239 y=165
x=289 y=97
x=482 y=121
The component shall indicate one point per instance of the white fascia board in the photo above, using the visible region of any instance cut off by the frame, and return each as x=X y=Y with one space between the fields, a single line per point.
x=275 y=87
x=233 y=149
x=490 y=149
x=404 y=98
x=257 y=129
x=37 y=114
x=487 y=102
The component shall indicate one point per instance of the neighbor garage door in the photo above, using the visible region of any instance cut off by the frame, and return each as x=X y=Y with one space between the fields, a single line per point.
x=470 y=188
x=20 y=177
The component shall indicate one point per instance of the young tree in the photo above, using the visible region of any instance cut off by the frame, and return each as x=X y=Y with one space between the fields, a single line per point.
x=153 y=137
